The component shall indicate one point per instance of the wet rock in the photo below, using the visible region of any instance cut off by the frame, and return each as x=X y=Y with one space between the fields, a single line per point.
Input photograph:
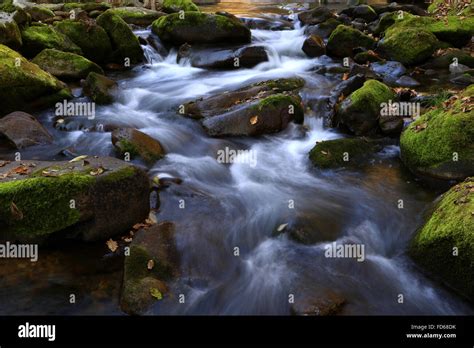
x=326 y=304
x=449 y=228
x=245 y=57
x=341 y=91
x=65 y=65
x=142 y=284
x=357 y=69
x=155 y=42
x=172 y=6
x=389 y=71
x=99 y=88
x=391 y=125
x=463 y=80
x=267 y=23
x=25 y=86
x=324 y=29
x=218 y=104
x=428 y=145
x=315 y=16
x=366 y=12
x=367 y=57
x=200 y=28
x=345 y=39
x=86 y=6
x=407 y=81
x=125 y=44
x=137 y=16
x=314 y=46
x=359 y=112
x=269 y=115
x=137 y=144
x=37 y=38
x=71 y=200
x=9 y=32
x=19 y=130
x=21 y=17
x=396 y=7
x=345 y=152
x=91 y=38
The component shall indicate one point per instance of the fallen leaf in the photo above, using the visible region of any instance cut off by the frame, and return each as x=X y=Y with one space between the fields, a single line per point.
x=156 y=293
x=112 y=245
x=150 y=265
x=127 y=239
x=50 y=173
x=16 y=213
x=21 y=170
x=78 y=158
x=152 y=217
x=97 y=171
x=324 y=152
x=345 y=76
x=281 y=227
x=253 y=120
x=4 y=163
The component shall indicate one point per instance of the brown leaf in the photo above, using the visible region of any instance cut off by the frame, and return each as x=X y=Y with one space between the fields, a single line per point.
x=345 y=76
x=16 y=213
x=324 y=152
x=253 y=120
x=150 y=265
x=97 y=171
x=112 y=245
x=3 y=163
x=21 y=170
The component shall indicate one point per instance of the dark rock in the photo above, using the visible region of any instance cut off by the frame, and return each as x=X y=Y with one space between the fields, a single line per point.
x=245 y=57
x=314 y=46
x=267 y=23
x=407 y=81
x=324 y=29
x=99 y=88
x=20 y=130
x=315 y=16
x=323 y=305
x=365 y=12
x=9 y=32
x=136 y=143
x=345 y=39
x=389 y=71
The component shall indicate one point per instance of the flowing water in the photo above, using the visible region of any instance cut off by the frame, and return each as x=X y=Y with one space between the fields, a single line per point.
x=238 y=205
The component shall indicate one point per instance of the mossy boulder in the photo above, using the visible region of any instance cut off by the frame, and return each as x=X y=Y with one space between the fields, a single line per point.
x=125 y=44
x=388 y=19
x=218 y=104
x=268 y=115
x=366 y=12
x=444 y=58
x=314 y=46
x=39 y=13
x=344 y=39
x=137 y=144
x=87 y=6
x=152 y=261
x=359 y=113
x=444 y=246
x=440 y=143
x=171 y=6
x=200 y=28
x=91 y=200
x=24 y=86
x=9 y=32
x=137 y=16
x=65 y=65
x=344 y=152
x=8 y=6
x=323 y=29
x=409 y=46
x=38 y=38
x=99 y=88
x=315 y=16
x=92 y=39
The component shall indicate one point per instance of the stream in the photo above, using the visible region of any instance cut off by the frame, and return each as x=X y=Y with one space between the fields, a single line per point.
x=238 y=205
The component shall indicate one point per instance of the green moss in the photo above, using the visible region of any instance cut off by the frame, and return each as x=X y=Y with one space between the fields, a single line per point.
x=345 y=152
x=24 y=84
x=124 y=41
x=409 y=46
x=88 y=6
x=7 y=6
x=37 y=38
x=40 y=13
x=120 y=175
x=65 y=65
x=429 y=143
x=344 y=39
x=44 y=203
x=282 y=85
x=136 y=266
x=93 y=40
x=137 y=16
x=370 y=97
x=450 y=226
x=10 y=33
x=126 y=146
x=389 y=19
x=171 y=6
x=278 y=101
x=98 y=87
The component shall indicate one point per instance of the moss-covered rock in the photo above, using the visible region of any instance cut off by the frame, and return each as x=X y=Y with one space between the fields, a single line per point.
x=454 y=8
x=137 y=144
x=9 y=32
x=388 y=19
x=314 y=46
x=39 y=13
x=440 y=143
x=171 y=6
x=99 y=88
x=137 y=16
x=359 y=113
x=54 y=196
x=142 y=284
x=91 y=38
x=409 y=46
x=444 y=58
x=444 y=246
x=344 y=152
x=65 y=65
x=452 y=29
x=38 y=38
x=124 y=42
x=87 y=6
x=7 y=6
x=316 y=15
x=323 y=29
x=200 y=28
x=268 y=115
x=344 y=39
x=23 y=85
